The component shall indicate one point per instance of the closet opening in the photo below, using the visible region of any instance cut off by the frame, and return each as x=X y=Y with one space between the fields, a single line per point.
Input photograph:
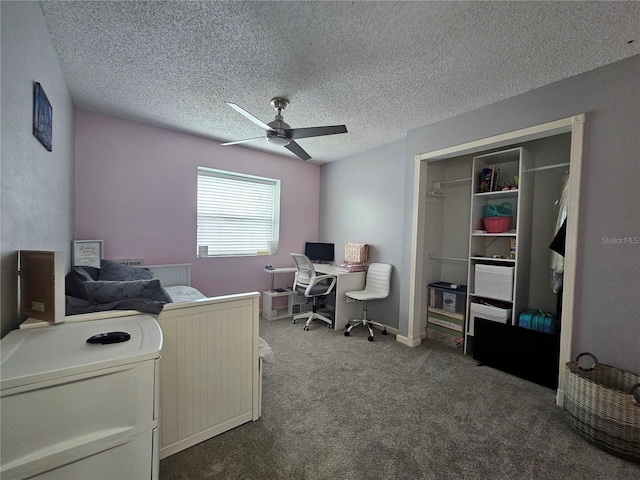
x=445 y=247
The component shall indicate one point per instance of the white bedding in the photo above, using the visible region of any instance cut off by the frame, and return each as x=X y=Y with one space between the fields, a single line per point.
x=184 y=293
x=265 y=351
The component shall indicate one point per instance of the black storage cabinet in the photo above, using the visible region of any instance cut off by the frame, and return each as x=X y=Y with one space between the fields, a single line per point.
x=528 y=354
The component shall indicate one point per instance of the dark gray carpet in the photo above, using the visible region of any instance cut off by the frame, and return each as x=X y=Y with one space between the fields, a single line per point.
x=337 y=407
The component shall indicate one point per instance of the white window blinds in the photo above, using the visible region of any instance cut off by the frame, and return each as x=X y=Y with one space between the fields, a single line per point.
x=237 y=214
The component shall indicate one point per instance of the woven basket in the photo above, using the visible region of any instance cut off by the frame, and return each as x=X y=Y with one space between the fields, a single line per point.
x=600 y=404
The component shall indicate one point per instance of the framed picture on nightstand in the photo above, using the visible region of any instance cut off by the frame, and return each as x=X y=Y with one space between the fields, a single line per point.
x=87 y=252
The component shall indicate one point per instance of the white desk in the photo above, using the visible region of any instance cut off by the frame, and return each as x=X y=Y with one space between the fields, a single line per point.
x=346 y=282
x=274 y=271
x=345 y=309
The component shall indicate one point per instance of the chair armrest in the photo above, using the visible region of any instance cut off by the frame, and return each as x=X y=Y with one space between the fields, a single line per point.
x=318 y=279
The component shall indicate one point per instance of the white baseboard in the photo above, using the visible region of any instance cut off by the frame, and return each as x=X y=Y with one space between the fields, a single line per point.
x=391 y=330
x=409 y=341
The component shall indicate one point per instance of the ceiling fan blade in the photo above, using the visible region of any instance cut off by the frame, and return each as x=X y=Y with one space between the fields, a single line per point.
x=315 y=131
x=243 y=141
x=247 y=115
x=297 y=149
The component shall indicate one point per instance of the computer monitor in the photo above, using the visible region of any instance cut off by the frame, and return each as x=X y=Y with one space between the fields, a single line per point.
x=319 y=252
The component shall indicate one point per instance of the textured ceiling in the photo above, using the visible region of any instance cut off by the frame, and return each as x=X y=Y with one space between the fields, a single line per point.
x=381 y=68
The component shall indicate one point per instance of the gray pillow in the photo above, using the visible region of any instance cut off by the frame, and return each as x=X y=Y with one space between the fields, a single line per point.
x=74 y=284
x=74 y=281
x=91 y=273
x=113 y=291
x=113 y=271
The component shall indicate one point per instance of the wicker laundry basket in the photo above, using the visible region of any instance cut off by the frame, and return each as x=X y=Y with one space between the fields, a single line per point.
x=603 y=404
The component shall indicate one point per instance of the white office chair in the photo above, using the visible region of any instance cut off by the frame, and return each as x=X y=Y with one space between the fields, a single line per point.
x=376 y=287
x=311 y=285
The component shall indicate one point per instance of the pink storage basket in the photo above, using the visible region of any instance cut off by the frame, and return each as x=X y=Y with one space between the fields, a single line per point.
x=496 y=224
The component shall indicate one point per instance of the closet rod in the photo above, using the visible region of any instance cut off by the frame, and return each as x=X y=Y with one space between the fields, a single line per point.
x=459 y=180
x=547 y=167
x=434 y=257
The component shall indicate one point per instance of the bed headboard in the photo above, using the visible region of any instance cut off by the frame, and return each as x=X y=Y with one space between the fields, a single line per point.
x=170 y=275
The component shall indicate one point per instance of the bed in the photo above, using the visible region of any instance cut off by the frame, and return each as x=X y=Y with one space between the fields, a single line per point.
x=212 y=357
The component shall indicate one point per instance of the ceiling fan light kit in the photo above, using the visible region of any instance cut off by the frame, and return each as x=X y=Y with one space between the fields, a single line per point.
x=277 y=140
x=280 y=133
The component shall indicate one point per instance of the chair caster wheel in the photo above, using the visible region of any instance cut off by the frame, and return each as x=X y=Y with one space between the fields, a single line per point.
x=294 y=322
x=346 y=334
x=384 y=332
x=306 y=328
x=370 y=339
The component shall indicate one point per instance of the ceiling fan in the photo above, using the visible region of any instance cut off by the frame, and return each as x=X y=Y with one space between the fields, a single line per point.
x=280 y=133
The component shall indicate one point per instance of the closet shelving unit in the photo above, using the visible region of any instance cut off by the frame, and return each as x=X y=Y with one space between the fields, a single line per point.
x=495 y=248
x=456 y=243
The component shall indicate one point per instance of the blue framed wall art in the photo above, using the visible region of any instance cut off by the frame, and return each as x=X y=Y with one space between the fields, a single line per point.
x=42 y=117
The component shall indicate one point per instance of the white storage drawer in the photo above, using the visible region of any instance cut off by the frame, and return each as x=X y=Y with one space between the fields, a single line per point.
x=71 y=409
x=488 y=312
x=494 y=281
x=129 y=460
x=68 y=411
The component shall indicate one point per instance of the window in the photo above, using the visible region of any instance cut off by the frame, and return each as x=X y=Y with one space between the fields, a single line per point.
x=237 y=214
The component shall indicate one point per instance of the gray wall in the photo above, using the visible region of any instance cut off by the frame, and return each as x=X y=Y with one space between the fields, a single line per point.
x=362 y=201
x=607 y=318
x=37 y=185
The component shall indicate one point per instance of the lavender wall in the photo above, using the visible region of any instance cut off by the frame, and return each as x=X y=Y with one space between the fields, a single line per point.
x=136 y=191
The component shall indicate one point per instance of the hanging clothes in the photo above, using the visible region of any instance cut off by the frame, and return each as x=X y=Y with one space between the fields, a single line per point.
x=557 y=255
x=558 y=242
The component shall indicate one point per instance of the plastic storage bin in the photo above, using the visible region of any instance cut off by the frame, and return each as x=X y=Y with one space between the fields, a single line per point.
x=494 y=281
x=446 y=312
x=448 y=297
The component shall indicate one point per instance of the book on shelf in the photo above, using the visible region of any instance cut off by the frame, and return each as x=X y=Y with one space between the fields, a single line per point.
x=495 y=178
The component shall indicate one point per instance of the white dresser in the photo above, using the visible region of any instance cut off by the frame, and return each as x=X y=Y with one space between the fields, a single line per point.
x=74 y=410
